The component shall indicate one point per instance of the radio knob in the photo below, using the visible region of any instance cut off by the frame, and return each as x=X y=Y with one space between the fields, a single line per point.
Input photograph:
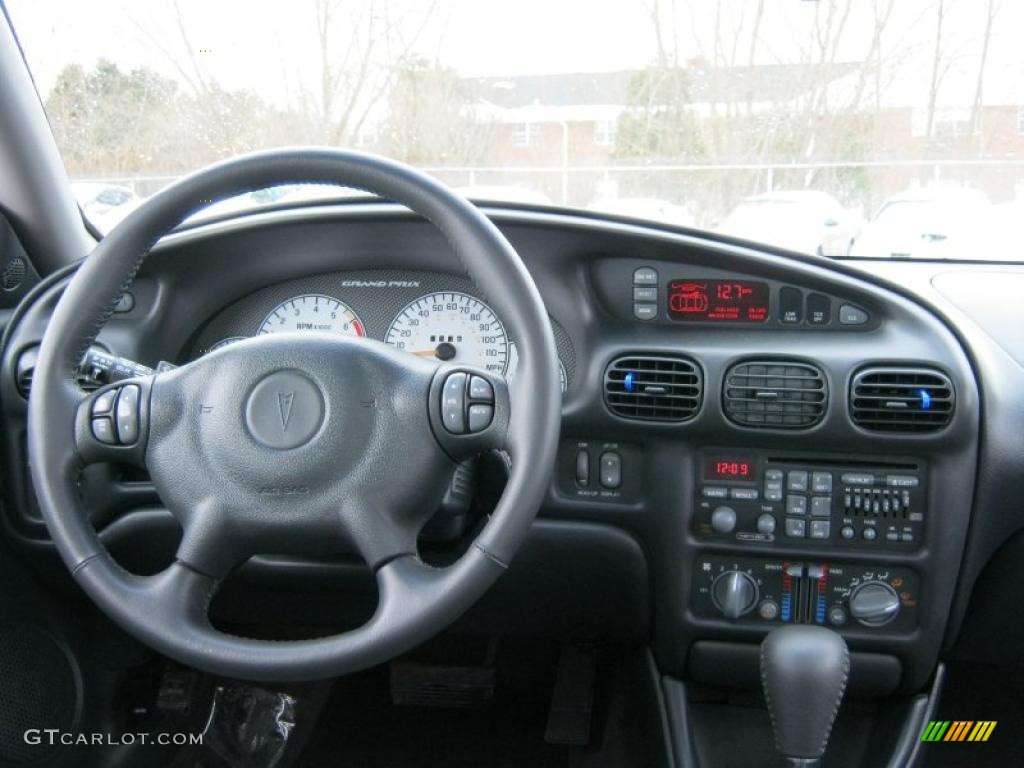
x=723 y=519
x=734 y=594
x=874 y=604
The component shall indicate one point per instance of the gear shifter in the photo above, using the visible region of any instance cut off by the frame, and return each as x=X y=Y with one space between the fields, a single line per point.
x=803 y=671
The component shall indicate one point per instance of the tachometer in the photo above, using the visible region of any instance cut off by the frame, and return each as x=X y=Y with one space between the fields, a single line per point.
x=452 y=327
x=313 y=312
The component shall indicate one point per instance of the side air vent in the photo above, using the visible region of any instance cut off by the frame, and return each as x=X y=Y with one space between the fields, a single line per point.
x=901 y=400
x=653 y=388
x=775 y=394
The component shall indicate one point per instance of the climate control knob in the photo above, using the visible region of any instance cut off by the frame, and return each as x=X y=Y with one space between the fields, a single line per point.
x=874 y=603
x=734 y=593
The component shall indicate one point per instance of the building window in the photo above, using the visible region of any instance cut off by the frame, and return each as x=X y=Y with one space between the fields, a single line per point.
x=604 y=133
x=525 y=134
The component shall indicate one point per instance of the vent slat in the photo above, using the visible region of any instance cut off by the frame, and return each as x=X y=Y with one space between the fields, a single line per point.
x=895 y=400
x=775 y=394
x=677 y=381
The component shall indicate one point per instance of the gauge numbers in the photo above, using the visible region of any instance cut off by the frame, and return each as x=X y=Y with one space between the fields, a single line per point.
x=313 y=312
x=513 y=366
x=453 y=327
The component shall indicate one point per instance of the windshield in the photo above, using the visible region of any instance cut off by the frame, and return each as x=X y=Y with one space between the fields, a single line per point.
x=838 y=127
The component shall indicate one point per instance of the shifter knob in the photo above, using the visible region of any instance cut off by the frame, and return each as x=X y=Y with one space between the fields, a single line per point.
x=803 y=671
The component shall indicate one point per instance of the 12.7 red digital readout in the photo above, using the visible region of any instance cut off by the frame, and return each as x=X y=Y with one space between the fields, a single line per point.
x=729 y=469
x=738 y=301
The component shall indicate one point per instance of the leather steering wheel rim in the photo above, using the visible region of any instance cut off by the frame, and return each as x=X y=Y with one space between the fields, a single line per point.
x=168 y=611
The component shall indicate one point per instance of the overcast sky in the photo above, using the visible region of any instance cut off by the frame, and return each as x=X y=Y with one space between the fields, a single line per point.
x=270 y=47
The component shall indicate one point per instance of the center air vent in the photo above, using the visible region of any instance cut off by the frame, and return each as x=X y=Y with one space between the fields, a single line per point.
x=775 y=394
x=901 y=400
x=653 y=388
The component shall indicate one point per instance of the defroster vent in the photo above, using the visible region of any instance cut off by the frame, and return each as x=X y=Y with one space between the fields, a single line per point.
x=653 y=388
x=775 y=394
x=901 y=400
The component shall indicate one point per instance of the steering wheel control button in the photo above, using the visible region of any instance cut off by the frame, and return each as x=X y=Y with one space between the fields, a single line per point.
x=453 y=404
x=851 y=315
x=103 y=430
x=104 y=403
x=645 y=276
x=126 y=413
x=480 y=417
x=284 y=410
x=611 y=470
x=480 y=389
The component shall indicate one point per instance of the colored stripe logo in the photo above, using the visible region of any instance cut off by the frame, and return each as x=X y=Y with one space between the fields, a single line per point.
x=958 y=730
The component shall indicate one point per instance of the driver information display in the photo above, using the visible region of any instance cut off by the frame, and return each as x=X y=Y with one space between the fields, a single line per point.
x=737 y=301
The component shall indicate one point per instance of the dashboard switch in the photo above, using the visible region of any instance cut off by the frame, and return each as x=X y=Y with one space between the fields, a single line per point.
x=582 y=468
x=645 y=311
x=791 y=305
x=851 y=315
x=126 y=413
x=645 y=293
x=453 y=403
x=611 y=470
x=819 y=309
x=645 y=276
x=766 y=523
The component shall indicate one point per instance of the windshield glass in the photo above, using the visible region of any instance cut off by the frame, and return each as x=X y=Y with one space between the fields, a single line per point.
x=872 y=128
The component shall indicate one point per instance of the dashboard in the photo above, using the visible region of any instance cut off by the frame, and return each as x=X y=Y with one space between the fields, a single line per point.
x=748 y=437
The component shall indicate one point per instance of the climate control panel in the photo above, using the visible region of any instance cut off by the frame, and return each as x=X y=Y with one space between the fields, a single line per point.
x=748 y=497
x=838 y=595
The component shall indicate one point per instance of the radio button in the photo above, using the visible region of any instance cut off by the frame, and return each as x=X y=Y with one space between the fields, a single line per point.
x=796 y=505
x=773 y=491
x=902 y=481
x=796 y=527
x=892 y=536
x=773 y=475
x=797 y=481
x=714 y=492
x=870 y=534
x=766 y=523
x=821 y=529
x=847 y=532
x=723 y=519
x=858 y=478
x=821 y=482
x=821 y=506
x=744 y=494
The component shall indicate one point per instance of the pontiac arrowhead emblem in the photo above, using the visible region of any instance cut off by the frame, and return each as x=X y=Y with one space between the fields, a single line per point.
x=284 y=406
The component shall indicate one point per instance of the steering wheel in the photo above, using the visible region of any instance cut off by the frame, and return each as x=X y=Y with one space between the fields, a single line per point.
x=295 y=444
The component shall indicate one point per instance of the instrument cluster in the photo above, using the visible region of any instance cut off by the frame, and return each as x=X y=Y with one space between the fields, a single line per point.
x=428 y=315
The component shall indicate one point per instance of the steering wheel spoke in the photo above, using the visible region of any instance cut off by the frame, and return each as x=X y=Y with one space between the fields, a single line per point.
x=112 y=423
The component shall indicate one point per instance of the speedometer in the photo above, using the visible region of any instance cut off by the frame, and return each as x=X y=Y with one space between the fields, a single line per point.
x=452 y=327
x=313 y=312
